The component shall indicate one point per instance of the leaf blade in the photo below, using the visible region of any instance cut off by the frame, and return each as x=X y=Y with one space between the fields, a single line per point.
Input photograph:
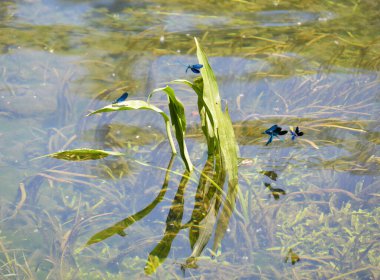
x=225 y=141
x=178 y=119
x=139 y=105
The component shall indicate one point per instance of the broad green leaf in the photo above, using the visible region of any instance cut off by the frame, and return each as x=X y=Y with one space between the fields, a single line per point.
x=83 y=154
x=178 y=119
x=225 y=141
x=139 y=105
x=211 y=95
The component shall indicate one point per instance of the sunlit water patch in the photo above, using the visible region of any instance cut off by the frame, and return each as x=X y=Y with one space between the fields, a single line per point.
x=189 y=22
x=34 y=96
x=36 y=12
x=277 y=18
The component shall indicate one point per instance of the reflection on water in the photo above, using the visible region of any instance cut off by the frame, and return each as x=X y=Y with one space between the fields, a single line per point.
x=309 y=64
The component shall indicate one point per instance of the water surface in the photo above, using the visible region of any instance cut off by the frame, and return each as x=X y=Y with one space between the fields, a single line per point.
x=312 y=64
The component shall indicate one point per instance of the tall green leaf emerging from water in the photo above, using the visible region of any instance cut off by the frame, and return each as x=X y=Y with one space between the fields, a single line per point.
x=222 y=145
x=225 y=143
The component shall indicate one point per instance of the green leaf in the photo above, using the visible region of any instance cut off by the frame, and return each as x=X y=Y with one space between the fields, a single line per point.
x=83 y=154
x=210 y=95
x=139 y=105
x=178 y=119
x=225 y=141
x=207 y=120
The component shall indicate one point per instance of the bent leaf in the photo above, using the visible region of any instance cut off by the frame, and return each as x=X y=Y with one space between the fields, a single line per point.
x=83 y=154
x=139 y=105
x=178 y=119
x=207 y=119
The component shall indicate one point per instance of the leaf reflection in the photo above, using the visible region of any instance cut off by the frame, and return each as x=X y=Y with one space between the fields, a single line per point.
x=206 y=207
x=208 y=202
x=173 y=226
x=119 y=227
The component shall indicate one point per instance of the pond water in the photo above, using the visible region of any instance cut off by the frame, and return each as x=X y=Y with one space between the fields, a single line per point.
x=305 y=209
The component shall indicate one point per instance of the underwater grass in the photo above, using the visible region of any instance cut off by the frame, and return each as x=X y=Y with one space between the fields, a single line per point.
x=326 y=46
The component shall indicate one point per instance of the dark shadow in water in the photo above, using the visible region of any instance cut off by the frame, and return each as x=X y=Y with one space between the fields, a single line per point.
x=291 y=256
x=276 y=192
x=270 y=174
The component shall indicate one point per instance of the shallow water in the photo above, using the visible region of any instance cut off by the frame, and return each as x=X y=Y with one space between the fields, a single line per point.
x=312 y=64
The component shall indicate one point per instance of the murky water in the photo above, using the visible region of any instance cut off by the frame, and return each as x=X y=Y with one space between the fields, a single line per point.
x=306 y=209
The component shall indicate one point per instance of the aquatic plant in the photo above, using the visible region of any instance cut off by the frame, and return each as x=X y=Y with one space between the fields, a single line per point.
x=222 y=164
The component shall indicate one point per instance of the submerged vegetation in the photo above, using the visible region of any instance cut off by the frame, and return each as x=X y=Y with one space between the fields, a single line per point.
x=305 y=209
